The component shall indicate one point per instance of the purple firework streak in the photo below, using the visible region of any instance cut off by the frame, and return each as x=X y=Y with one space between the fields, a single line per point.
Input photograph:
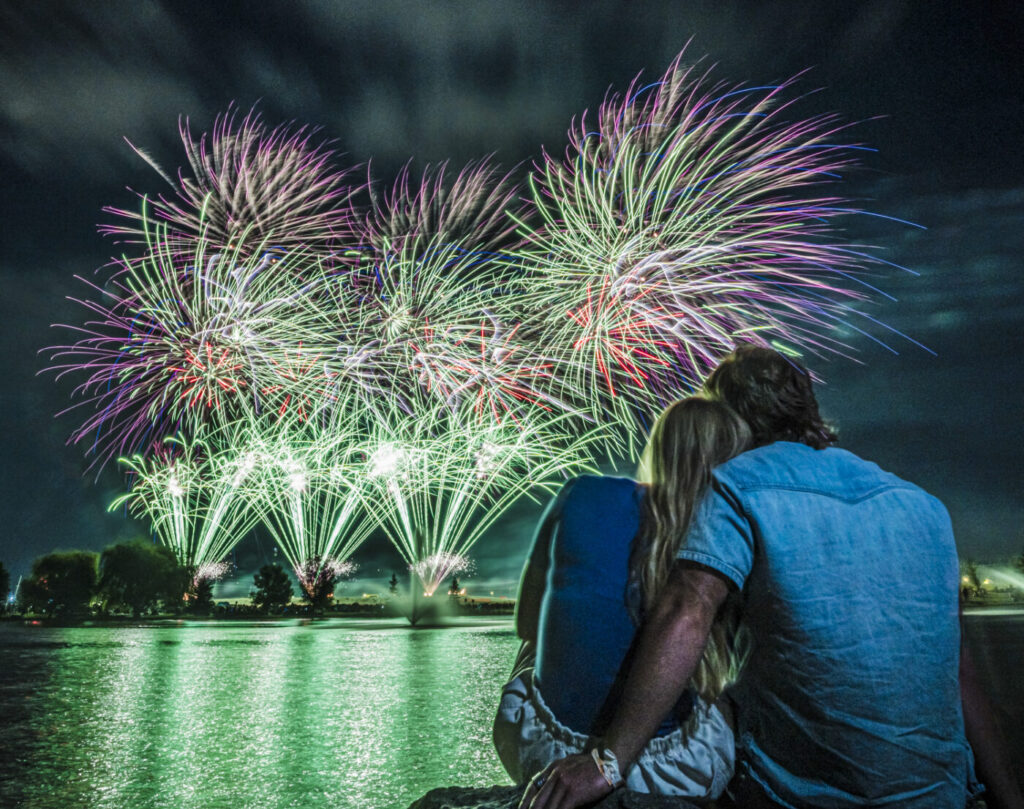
x=435 y=328
x=682 y=222
x=471 y=211
x=173 y=345
x=247 y=185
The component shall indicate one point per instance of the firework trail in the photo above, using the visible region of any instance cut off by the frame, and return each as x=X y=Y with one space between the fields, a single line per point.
x=195 y=494
x=471 y=211
x=686 y=219
x=441 y=489
x=312 y=497
x=437 y=322
x=464 y=406
x=248 y=185
x=174 y=344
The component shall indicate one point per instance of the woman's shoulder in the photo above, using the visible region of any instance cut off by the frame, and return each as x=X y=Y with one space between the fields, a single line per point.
x=598 y=509
x=599 y=488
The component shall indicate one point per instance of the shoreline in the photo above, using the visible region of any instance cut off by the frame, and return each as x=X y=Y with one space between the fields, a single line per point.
x=993 y=609
x=378 y=615
x=450 y=619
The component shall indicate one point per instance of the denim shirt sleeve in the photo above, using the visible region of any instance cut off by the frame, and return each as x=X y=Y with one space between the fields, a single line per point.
x=720 y=536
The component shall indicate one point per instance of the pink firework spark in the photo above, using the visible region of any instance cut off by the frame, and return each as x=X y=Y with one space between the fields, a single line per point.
x=470 y=210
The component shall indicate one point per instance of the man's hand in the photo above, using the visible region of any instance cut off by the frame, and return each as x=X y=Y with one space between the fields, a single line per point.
x=668 y=649
x=566 y=784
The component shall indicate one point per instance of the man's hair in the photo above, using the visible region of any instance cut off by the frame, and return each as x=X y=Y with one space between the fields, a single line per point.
x=773 y=394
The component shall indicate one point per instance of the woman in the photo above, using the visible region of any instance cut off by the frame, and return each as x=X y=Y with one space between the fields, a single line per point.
x=600 y=557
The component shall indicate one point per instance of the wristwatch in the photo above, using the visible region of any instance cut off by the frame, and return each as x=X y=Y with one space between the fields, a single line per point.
x=608 y=766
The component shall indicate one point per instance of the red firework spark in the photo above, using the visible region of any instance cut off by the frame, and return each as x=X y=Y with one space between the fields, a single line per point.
x=207 y=374
x=506 y=378
x=492 y=375
x=618 y=333
x=296 y=372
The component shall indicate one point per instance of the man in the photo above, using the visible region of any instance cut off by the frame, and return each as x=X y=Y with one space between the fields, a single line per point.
x=855 y=694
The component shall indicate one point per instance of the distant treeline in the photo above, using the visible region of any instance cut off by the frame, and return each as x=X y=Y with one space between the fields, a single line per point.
x=140 y=578
x=137 y=578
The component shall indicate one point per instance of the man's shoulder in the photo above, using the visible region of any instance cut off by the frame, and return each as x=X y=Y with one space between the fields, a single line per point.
x=832 y=471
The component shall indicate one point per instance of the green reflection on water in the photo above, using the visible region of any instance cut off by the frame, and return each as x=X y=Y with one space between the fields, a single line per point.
x=339 y=714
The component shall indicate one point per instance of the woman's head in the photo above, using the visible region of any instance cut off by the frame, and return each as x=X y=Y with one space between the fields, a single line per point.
x=689 y=439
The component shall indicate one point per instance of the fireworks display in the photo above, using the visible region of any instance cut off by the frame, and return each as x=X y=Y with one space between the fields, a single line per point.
x=443 y=487
x=311 y=498
x=196 y=494
x=183 y=340
x=298 y=199
x=685 y=219
x=281 y=347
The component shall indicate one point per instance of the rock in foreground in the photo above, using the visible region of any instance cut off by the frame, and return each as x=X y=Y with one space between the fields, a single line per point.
x=508 y=798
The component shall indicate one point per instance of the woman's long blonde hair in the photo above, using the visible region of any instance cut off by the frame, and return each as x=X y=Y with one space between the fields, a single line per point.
x=689 y=439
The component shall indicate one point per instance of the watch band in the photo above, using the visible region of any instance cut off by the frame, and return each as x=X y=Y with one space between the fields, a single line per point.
x=608 y=766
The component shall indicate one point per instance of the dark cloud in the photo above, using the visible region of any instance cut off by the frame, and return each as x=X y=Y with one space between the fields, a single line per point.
x=77 y=79
x=949 y=421
x=394 y=80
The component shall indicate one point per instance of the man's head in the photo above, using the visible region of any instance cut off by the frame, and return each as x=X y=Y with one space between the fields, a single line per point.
x=773 y=394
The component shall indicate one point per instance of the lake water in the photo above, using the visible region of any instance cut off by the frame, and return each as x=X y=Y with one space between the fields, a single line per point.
x=339 y=714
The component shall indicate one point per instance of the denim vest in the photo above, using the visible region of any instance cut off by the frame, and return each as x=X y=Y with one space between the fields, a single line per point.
x=850 y=581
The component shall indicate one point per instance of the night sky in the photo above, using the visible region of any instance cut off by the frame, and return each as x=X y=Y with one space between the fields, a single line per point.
x=940 y=92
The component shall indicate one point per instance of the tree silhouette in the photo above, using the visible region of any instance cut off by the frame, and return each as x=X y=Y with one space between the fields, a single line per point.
x=317 y=580
x=61 y=583
x=272 y=589
x=139 y=575
x=5 y=586
x=200 y=597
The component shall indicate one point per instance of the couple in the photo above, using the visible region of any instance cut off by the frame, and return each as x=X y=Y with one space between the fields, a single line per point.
x=754 y=555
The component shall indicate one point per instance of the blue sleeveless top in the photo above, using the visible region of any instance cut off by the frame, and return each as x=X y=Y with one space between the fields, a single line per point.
x=585 y=630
